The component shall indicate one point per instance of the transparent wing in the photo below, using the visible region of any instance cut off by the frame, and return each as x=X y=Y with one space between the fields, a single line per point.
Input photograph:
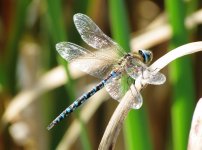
x=155 y=78
x=113 y=87
x=94 y=36
x=117 y=91
x=135 y=68
x=94 y=64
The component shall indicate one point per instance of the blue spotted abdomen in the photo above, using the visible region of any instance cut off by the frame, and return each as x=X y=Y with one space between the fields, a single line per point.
x=80 y=101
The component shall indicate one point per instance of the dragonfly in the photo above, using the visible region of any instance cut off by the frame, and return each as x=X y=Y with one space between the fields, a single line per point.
x=108 y=62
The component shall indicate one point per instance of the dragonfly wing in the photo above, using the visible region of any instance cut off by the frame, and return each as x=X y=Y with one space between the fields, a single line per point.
x=94 y=67
x=113 y=87
x=136 y=96
x=117 y=91
x=92 y=63
x=94 y=36
x=155 y=78
x=135 y=68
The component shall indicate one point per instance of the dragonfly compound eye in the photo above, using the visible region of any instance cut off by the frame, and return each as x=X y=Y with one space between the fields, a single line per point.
x=146 y=55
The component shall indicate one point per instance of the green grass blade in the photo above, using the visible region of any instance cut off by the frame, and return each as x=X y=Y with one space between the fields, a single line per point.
x=135 y=123
x=119 y=23
x=181 y=77
x=58 y=33
x=12 y=44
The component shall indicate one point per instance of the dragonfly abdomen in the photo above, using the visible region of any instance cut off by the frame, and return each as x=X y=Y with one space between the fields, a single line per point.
x=78 y=102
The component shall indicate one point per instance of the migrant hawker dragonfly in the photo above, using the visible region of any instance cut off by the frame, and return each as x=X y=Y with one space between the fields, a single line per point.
x=109 y=62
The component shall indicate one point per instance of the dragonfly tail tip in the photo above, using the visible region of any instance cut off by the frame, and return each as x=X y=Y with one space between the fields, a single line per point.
x=50 y=126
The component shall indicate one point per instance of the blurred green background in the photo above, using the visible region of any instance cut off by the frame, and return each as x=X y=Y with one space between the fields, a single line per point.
x=36 y=84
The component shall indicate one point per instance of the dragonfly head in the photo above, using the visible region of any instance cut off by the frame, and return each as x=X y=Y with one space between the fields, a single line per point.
x=146 y=55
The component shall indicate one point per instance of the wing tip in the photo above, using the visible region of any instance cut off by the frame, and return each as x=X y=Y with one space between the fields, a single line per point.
x=77 y=16
x=60 y=45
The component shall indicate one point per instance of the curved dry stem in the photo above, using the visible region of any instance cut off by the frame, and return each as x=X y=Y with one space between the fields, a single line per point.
x=57 y=76
x=115 y=124
x=161 y=33
x=195 y=135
